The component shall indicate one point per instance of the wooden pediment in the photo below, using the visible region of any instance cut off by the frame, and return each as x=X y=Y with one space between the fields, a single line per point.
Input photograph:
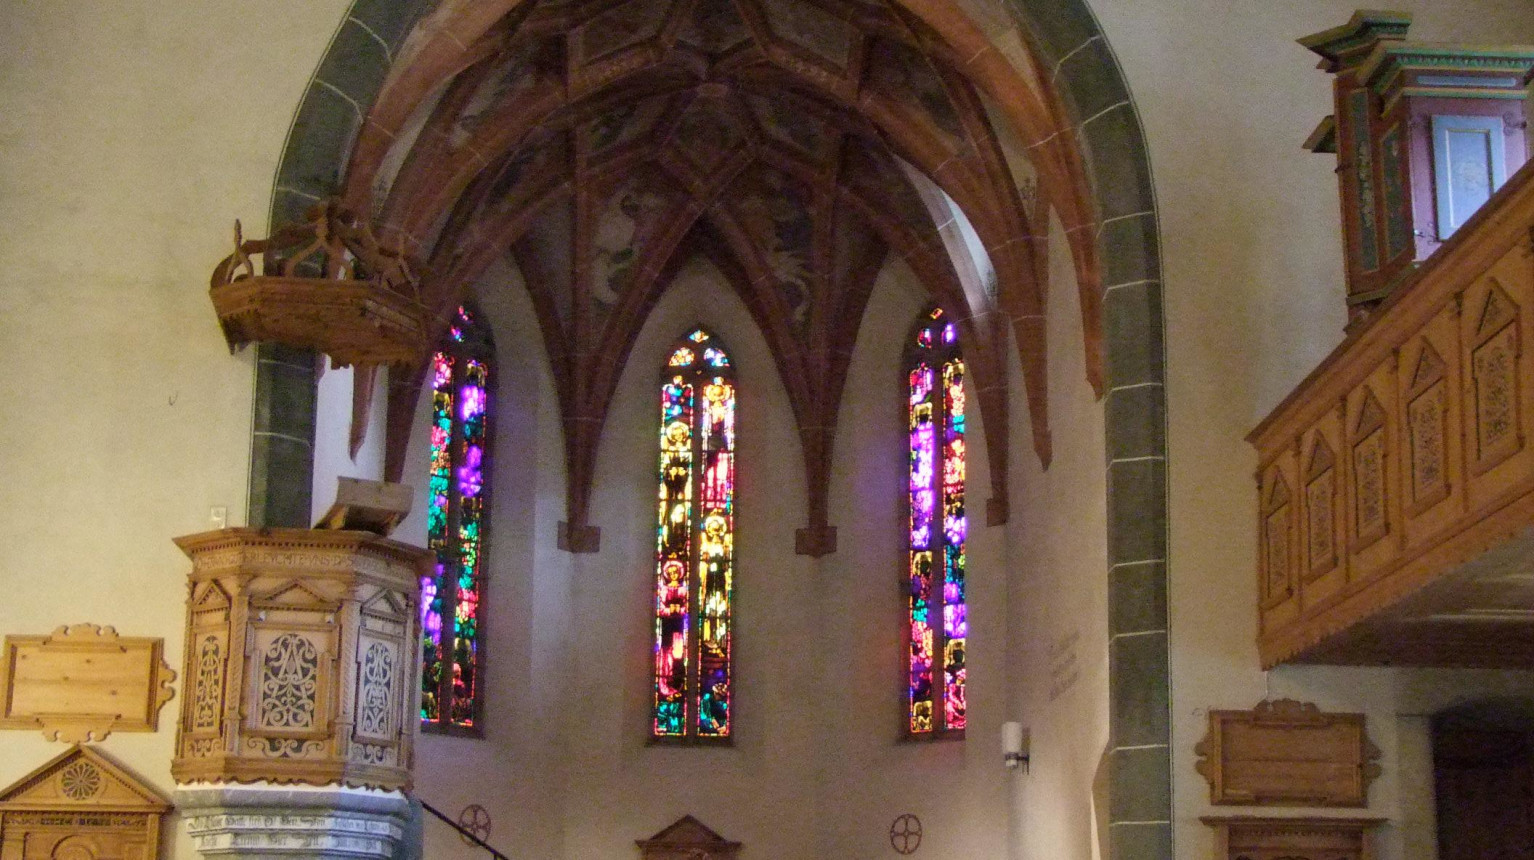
x=293 y=595
x=384 y=602
x=1430 y=367
x=687 y=837
x=1278 y=492
x=82 y=778
x=1498 y=311
x=1371 y=417
x=211 y=596
x=1321 y=458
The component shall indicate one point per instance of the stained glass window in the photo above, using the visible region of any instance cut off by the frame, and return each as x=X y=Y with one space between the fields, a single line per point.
x=695 y=543
x=452 y=594
x=937 y=626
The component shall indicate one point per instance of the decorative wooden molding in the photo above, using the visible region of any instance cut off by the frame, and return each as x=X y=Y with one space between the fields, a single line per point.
x=326 y=285
x=80 y=805
x=1431 y=474
x=1287 y=753
x=1254 y=838
x=301 y=658
x=83 y=682
x=687 y=839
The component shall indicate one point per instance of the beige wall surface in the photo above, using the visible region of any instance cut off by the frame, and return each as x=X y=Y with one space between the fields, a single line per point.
x=1058 y=599
x=132 y=134
x=1253 y=285
x=818 y=767
x=517 y=770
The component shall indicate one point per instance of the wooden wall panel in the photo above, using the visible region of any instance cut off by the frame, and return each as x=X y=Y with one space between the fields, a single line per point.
x=1430 y=451
x=1287 y=753
x=1323 y=519
x=82 y=682
x=1255 y=838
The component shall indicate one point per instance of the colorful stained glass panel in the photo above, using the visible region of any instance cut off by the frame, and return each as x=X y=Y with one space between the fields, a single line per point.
x=695 y=545
x=455 y=524
x=938 y=622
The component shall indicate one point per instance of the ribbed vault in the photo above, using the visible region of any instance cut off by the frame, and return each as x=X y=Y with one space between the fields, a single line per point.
x=600 y=144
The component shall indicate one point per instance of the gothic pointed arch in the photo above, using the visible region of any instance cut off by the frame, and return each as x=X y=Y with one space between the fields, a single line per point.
x=1068 y=104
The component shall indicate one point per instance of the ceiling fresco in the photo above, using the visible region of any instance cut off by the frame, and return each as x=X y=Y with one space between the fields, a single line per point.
x=796 y=144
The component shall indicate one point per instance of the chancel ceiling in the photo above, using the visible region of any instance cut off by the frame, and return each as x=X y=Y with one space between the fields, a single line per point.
x=599 y=145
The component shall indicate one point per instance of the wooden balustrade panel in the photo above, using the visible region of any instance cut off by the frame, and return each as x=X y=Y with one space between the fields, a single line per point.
x=1395 y=485
x=1323 y=520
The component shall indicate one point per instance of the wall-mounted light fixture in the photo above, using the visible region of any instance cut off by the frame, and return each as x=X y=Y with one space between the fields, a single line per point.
x=1014 y=746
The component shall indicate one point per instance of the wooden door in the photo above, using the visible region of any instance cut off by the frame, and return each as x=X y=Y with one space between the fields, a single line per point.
x=1484 y=779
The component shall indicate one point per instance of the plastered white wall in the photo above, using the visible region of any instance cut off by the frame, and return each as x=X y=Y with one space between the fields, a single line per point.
x=131 y=137
x=132 y=134
x=1253 y=284
x=1059 y=595
x=818 y=767
x=516 y=770
x=332 y=433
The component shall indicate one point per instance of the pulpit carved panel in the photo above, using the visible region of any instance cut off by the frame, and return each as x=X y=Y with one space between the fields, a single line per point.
x=321 y=691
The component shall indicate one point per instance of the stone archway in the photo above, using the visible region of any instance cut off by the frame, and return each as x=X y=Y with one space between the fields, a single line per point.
x=1114 y=232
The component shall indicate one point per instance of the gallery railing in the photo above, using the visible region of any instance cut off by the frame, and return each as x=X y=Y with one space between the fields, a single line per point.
x=468 y=830
x=1396 y=483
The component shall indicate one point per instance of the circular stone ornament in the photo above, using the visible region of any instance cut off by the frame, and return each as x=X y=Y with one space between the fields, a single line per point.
x=475 y=819
x=905 y=834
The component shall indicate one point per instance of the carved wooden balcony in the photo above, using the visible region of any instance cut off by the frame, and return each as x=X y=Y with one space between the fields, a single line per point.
x=326 y=285
x=1396 y=483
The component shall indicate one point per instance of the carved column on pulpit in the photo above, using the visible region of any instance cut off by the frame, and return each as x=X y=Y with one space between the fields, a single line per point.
x=297 y=724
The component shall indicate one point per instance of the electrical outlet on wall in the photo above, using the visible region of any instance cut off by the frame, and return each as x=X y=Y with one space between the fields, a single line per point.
x=218 y=516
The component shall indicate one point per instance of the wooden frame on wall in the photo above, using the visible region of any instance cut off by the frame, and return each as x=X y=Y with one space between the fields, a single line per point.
x=1287 y=753
x=83 y=682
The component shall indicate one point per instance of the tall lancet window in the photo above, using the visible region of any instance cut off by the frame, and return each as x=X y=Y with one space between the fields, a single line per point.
x=452 y=595
x=695 y=543
x=936 y=623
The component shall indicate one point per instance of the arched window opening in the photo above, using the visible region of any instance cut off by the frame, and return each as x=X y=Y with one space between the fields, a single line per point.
x=937 y=624
x=457 y=487
x=695 y=543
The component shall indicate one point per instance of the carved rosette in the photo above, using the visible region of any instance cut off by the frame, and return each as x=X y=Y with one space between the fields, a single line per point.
x=299 y=658
x=81 y=804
